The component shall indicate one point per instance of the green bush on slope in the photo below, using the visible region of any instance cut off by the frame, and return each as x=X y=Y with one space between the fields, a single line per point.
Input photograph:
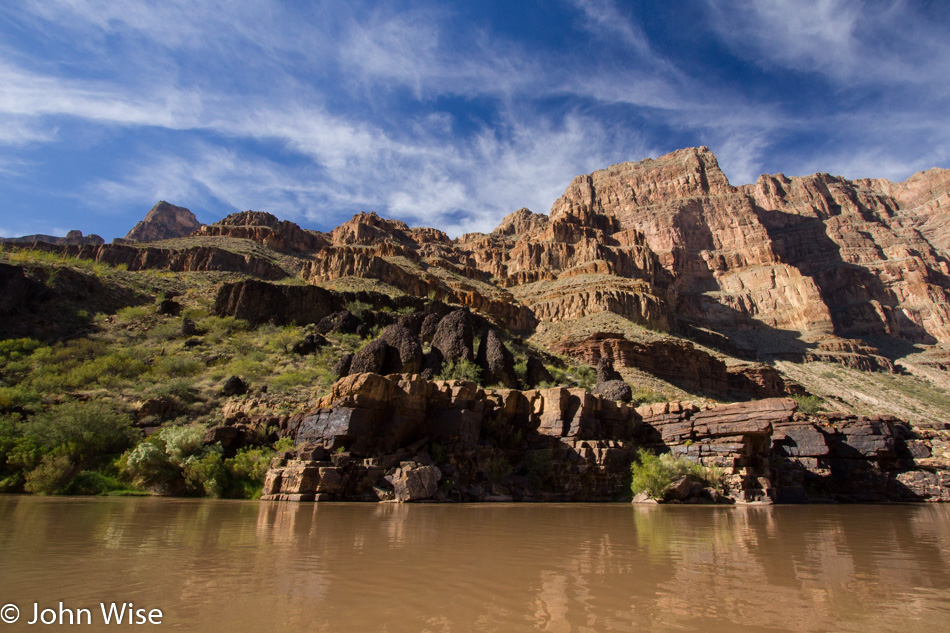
x=653 y=474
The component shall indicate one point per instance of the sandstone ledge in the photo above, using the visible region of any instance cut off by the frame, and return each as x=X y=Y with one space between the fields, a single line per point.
x=367 y=439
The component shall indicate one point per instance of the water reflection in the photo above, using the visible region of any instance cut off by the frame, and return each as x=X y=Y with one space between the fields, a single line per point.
x=350 y=567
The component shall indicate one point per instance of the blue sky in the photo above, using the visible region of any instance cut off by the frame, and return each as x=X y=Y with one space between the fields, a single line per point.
x=445 y=114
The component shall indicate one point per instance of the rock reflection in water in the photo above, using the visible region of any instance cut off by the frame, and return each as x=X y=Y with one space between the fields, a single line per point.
x=351 y=567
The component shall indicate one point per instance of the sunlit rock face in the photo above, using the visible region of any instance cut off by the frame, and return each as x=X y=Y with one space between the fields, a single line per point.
x=164 y=221
x=819 y=255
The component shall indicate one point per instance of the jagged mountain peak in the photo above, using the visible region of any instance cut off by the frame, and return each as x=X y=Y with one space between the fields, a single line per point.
x=164 y=221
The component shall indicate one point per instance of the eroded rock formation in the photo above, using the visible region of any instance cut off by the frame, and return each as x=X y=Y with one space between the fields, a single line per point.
x=266 y=229
x=164 y=221
x=371 y=432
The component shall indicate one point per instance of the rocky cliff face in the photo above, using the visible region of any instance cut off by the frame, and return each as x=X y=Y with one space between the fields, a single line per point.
x=810 y=258
x=266 y=229
x=164 y=221
x=379 y=438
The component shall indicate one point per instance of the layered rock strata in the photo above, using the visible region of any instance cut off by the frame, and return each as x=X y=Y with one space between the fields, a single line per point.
x=194 y=259
x=280 y=235
x=820 y=256
x=566 y=444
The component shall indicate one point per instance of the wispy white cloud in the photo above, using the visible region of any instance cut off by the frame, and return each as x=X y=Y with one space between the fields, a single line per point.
x=850 y=41
x=795 y=33
x=325 y=88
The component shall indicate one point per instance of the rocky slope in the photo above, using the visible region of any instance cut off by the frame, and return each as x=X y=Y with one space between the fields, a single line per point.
x=72 y=237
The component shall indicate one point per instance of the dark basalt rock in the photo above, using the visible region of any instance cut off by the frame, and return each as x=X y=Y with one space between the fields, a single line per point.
x=188 y=327
x=234 y=386
x=614 y=390
x=606 y=372
x=432 y=364
x=310 y=344
x=342 y=366
x=413 y=322
x=429 y=325
x=610 y=383
x=169 y=307
x=497 y=363
x=404 y=355
x=342 y=322
x=536 y=373
x=371 y=358
x=454 y=337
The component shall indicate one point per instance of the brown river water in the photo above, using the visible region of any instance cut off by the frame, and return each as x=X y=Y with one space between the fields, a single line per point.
x=272 y=567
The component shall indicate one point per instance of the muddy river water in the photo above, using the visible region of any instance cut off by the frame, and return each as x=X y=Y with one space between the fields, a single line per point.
x=270 y=567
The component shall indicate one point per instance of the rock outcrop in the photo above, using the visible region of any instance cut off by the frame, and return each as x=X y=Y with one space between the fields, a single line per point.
x=194 y=259
x=819 y=256
x=496 y=362
x=72 y=237
x=164 y=221
x=373 y=437
x=266 y=229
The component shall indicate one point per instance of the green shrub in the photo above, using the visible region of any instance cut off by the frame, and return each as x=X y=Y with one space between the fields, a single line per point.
x=461 y=370
x=176 y=367
x=18 y=397
x=653 y=474
x=84 y=429
x=284 y=444
x=51 y=476
x=150 y=466
x=17 y=348
x=91 y=482
x=206 y=474
x=218 y=328
x=247 y=470
x=132 y=313
x=498 y=469
x=648 y=396
x=181 y=388
x=18 y=453
x=359 y=308
x=167 y=331
x=585 y=376
x=182 y=442
x=809 y=404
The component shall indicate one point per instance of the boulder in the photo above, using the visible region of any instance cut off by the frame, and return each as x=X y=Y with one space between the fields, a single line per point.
x=404 y=355
x=686 y=487
x=234 y=386
x=606 y=372
x=168 y=307
x=536 y=373
x=415 y=483
x=429 y=326
x=342 y=366
x=613 y=390
x=163 y=408
x=497 y=363
x=310 y=344
x=454 y=337
x=188 y=327
x=371 y=358
x=341 y=322
x=432 y=364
